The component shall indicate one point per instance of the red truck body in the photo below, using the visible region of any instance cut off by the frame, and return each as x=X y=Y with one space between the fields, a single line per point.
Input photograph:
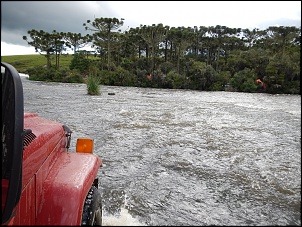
x=53 y=183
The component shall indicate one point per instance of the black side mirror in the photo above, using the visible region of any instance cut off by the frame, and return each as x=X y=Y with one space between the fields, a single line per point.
x=12 y=139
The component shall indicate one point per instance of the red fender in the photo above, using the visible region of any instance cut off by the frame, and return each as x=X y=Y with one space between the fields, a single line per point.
x=65 y=189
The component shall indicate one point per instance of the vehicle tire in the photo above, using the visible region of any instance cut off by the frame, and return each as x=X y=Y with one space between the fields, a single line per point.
x=92 y=211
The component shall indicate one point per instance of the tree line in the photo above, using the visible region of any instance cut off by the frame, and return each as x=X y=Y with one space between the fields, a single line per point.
x=202 y=58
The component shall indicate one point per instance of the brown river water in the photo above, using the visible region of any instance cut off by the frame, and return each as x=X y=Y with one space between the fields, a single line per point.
x=182 y=157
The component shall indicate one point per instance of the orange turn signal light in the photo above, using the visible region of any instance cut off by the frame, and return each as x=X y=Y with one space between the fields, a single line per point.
x=84 y=145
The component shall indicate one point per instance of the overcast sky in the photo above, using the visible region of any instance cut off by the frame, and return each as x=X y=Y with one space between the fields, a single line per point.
x=18 y=17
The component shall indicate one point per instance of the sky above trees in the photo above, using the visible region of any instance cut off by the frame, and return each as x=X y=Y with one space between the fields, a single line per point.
x=18 y=17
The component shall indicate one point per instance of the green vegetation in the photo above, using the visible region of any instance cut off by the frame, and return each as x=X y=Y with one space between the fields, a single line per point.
x=93 y=81
x=24 y=62
x=201 y=58
x=93 y=85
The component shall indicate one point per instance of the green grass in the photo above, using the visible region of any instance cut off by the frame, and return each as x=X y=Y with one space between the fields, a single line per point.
x=24 y=62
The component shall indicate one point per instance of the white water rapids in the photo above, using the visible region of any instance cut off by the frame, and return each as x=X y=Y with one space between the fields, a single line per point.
x=181 y=157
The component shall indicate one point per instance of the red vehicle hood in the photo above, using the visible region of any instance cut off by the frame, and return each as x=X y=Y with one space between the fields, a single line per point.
x=46 y=136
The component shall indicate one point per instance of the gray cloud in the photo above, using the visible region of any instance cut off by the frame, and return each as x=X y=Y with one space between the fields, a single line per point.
x=18 y=17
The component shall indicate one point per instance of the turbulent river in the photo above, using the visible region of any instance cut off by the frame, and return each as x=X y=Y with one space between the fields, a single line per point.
x=181 y=157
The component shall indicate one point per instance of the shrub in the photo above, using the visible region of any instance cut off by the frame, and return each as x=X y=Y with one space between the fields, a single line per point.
x=124 y=77
x=52 y=74
x=166 y=67
x=175 y=80
x=79 y=62
x=71 y=76
x=41 y=73
x=244 y=81
x=93 y=85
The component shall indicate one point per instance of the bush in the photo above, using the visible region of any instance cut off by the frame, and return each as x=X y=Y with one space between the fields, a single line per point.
x=79 y=62
x=244 y=81
x=221 y=82
x=71 y=76
x=93 y=80
x=201 y=76
x=93 y=85
x=41 y=73
x=175 y=80
x=52 y=74
x=124 y=77
x=166 y=67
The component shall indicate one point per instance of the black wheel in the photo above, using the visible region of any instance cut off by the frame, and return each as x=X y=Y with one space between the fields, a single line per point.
x=92 y=211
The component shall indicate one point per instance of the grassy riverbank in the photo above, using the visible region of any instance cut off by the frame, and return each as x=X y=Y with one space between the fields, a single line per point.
x=24 y=62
